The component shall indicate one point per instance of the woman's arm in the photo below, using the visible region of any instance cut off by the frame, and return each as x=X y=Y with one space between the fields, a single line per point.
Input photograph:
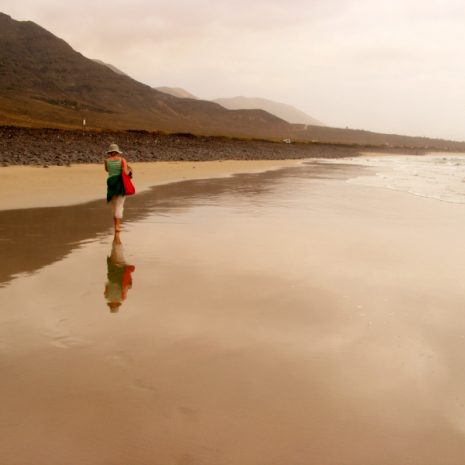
x=125 y=166
x=105 y=165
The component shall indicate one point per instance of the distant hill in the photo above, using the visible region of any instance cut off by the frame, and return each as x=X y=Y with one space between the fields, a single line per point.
x=113 y=68
x=44 y=82
x=281 y=110
x=177 y=92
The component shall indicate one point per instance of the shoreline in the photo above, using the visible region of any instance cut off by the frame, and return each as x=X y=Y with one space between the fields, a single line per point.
x=24 y=187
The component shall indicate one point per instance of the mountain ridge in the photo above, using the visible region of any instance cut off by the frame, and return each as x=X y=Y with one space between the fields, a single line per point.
x=176 y=92
x=284 y=111
x=43 y=80
x=45 y=83
x=112 y=67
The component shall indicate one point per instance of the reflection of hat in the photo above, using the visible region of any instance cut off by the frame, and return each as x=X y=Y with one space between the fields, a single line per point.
x=114 y=306
x=114 y=148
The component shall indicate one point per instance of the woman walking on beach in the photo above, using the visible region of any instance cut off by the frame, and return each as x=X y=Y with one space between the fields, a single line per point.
x=115 y=165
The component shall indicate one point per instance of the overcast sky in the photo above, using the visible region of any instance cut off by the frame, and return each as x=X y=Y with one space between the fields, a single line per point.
x=394 y=66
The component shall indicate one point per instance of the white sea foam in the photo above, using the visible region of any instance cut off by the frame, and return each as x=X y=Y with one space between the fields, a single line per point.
x=440 y=177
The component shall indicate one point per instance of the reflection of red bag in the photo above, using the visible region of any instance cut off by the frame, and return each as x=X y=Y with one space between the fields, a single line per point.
x=126 y=281
x=129 y=188
x=127 y=278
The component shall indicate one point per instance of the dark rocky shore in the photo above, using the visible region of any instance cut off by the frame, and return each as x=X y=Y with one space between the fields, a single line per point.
x=31 y=146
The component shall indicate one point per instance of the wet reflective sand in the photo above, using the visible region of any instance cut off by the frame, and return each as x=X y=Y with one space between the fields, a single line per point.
x=278 y=318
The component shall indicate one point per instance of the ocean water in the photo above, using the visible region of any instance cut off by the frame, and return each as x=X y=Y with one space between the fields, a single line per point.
x=440 y=177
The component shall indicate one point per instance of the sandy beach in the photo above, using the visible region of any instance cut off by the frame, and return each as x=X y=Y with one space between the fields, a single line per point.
x=283 y=317
x=32 y=186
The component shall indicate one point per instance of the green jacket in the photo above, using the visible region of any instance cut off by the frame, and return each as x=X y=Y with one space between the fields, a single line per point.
x=114 y=186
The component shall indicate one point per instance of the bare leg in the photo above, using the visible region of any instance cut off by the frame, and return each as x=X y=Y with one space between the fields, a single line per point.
x=117 y=222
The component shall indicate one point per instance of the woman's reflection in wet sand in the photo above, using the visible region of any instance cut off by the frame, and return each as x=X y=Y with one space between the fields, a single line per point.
x=119 y=276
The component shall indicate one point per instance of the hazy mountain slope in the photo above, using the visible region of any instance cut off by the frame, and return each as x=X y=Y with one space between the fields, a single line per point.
x=177 y=92
x=281 y=110
x=43 y=81
x=113 y=68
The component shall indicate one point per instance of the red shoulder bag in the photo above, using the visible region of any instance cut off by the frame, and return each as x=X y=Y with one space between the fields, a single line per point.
x=129 y=188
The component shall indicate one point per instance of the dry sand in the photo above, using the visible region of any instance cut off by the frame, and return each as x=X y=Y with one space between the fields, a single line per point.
x=31 y=187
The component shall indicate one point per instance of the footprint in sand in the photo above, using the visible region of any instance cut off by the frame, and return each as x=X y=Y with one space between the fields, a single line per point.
x=68 y=342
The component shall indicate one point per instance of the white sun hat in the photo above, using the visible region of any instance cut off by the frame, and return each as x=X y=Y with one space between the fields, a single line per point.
x=113 y=148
